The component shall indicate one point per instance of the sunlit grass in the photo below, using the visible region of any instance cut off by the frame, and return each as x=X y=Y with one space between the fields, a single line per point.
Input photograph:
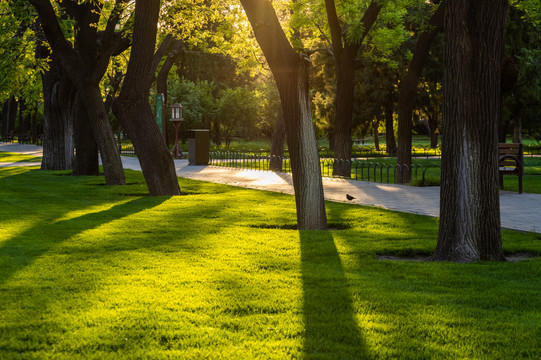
x=90 y=271
x=15 y=157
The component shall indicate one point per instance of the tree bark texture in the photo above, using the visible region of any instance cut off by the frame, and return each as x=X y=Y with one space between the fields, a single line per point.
x=375 y=126
x=58 y=97
x=343 y=121
x=290 y=72
x=133 y=110
x=175 y=52
x=87 y=159
x=469 y=208
x=390 y=140
x=9 y=113
x=408 y=91
x=85 y=66
x=433 y=125
x=12 y=115
x=345 y=54
x=3 y=119
x=277 y=142
x=21 y=127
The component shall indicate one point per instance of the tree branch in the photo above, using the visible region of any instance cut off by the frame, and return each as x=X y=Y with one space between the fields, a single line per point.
x=51 y=28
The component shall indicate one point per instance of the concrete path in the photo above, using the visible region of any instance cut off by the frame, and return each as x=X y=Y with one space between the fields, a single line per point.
x=519 y=211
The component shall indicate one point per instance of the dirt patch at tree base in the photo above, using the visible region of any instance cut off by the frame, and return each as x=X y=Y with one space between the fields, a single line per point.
x=513 y=257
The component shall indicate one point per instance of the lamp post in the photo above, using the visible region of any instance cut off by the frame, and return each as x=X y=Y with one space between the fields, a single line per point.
x=176 y=118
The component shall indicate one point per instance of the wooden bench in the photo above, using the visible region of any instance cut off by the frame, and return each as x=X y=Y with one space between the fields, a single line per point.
x=511 y=162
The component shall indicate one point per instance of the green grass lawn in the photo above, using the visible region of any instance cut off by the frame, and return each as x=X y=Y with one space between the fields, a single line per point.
x=15 y=157
x=89 y=271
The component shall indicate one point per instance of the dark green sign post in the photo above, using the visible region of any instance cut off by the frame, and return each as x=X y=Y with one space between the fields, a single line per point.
x=159 y=113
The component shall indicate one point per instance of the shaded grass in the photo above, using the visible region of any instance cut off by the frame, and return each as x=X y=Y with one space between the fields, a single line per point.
x=90 y=271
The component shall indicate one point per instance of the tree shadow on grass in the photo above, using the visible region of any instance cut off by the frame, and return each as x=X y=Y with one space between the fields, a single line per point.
x=329 y=315
x=20 y=251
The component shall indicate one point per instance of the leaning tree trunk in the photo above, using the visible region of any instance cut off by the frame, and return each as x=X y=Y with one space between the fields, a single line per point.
x=303 y=150
x=176 y=52
x=90 y=97
x=469 y=206
x=408 y=91
x=133 y=110
x=277 y=142
x=290 y=71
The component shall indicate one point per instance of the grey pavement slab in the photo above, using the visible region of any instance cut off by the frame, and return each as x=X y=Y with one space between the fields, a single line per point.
x=518 y=211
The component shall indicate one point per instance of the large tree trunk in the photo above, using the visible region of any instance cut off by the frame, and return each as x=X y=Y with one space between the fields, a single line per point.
x=290 y=71
x=375 y=126
x=12 y=117
x=21 y=127
x=175 y=52
x=87 y=159
x=58 y=121
x=343 y=121
x=277 y=142
x=216 y=133
x=517 y=130
x=408 y=91
x=9 y=111
x=469 y=209
x=3 y=119
x=390 y=140
x=433 y=125
x=66 y=101
x=85 y=66
x=90 y=97
x=133 y=110
x=345 y=52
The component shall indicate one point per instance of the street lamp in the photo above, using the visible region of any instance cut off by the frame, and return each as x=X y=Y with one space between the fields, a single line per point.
x=176 y=118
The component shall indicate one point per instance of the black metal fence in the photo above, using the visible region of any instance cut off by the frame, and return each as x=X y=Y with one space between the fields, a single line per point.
x=370 y=151
x=383 y=172
x=26 y=139
x=531 y=150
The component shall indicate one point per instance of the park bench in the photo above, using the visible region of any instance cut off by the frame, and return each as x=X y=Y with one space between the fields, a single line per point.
x=511 y=162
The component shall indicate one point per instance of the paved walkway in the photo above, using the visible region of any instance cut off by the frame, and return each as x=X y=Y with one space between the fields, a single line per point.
x=519 y=211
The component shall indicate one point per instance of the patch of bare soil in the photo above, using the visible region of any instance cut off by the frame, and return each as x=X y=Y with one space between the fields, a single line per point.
x=514 y=257
x=403 y=258
x=519 y=256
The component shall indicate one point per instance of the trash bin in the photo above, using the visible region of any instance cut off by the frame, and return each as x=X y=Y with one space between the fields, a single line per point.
x=198 y=147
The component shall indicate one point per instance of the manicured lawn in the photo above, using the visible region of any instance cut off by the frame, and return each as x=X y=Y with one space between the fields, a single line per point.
x=95 y=272
x=15 y=157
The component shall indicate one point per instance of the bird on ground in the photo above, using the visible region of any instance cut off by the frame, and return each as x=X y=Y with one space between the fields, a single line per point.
x=349 y=197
